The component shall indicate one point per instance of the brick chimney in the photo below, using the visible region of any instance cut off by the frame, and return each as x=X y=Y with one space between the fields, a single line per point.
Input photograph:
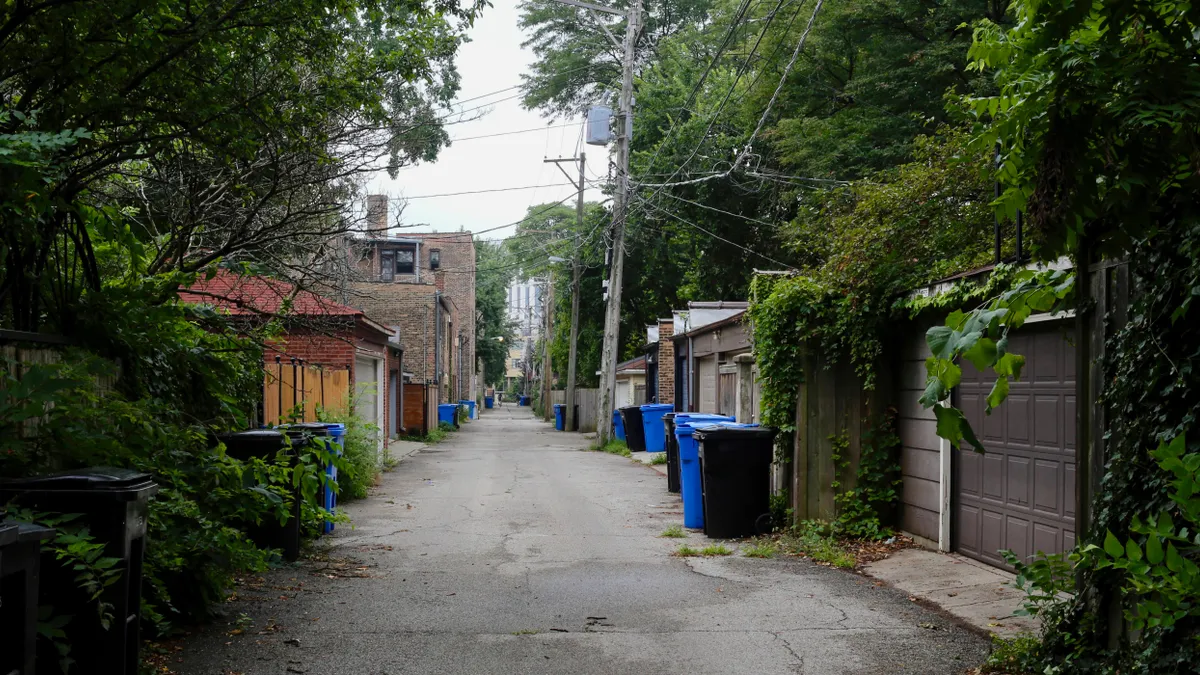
x=377 y=216
x=666 y=361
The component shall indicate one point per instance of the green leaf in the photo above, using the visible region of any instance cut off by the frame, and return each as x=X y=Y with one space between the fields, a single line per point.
x=1112 y=546
x=956 y=319
x=1154 y=550
x=982 y=354
x=1174 y=561
x=998 y=394
x=952 y=425
x=941 y=342
x=1165 y=526
x=935 y=392
x=1010 y=365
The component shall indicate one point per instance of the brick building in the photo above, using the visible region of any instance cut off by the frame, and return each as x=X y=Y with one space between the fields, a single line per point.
x=422 y=285
x=321 y=337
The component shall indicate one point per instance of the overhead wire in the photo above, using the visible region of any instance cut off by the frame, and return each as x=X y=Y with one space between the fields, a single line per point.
x=715 y=235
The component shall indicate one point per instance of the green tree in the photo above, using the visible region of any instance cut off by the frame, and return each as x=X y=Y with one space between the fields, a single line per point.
x=493 y=328
x=222 y=130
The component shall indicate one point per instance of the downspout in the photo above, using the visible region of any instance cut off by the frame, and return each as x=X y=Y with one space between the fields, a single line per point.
x=437 y=338
x=691 y=376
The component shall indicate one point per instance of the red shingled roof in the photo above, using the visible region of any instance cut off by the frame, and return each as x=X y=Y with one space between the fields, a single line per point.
x=259 y=295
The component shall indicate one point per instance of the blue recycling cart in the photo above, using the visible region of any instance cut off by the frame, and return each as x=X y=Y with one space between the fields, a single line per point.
x=618 y=426
x=471 y=408
x=652 y=425
x=446 y=413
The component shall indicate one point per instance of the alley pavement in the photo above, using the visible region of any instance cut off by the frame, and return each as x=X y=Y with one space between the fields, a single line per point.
x=508 y=548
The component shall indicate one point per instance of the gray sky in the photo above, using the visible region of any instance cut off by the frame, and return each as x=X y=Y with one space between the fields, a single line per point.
x=492 y=60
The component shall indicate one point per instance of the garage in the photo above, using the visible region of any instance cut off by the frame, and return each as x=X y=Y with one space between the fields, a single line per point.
x=368 y=402
x=1020 y=494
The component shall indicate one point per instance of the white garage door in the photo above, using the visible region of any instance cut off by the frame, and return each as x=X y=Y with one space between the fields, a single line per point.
x=366 y=390
x=623 y=394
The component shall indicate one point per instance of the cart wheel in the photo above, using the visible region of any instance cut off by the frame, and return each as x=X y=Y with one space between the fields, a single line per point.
x=763 y=524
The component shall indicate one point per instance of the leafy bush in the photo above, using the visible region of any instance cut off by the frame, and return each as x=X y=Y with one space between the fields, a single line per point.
x=1010 y=656
x=817 y=540
x=360 y=455
x=177 y=385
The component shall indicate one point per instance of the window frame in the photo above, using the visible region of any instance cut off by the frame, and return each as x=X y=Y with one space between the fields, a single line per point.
x=410 y=249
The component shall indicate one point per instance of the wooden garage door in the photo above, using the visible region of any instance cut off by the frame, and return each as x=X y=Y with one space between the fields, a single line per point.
x=1020 y=494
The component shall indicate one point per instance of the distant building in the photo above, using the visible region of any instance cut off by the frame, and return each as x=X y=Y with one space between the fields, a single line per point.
x=422 y=284
x=526 y=314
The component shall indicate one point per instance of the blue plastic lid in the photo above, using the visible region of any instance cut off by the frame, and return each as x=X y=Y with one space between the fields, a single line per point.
x=685 y=427
x=655 y=407
x=688 y=418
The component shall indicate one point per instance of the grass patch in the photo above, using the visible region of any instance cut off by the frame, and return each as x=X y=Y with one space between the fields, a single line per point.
x=527 y=631
x=613 y=447
x=659 y=458
x=764 y=548
x=434 y=436
x=685 y=551
x=1011 y=656
x=815 y=540
x=674 y=532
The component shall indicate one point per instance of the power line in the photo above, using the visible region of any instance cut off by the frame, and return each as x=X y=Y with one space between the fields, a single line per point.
x=762 y=120
x=721 y=106
x=477 y=192
x=510 y=133
x=738 y=18
x=716 y=236
x=713 y=208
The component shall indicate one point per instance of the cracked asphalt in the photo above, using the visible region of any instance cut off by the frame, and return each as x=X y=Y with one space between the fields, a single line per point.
x=509 y=549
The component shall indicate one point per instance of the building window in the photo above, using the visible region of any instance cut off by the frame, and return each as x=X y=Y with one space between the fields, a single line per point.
x=435 y=259
x=516 y=363
x=406 y=257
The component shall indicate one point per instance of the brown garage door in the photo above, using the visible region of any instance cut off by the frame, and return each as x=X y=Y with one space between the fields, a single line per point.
x=1020 y=494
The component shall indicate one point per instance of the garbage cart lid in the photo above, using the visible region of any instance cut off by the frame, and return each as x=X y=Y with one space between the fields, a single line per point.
x=8 y=532
x=95 y=479
x=314 y=428
x=696 y=418
x=656 y=407
x=733 y=430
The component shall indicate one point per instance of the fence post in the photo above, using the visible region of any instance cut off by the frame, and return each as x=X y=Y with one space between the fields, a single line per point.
x=744 y=403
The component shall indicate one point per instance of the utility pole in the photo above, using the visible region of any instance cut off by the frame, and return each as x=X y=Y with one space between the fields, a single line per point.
x=547 y=371
x=569 y=399
x=612 y=317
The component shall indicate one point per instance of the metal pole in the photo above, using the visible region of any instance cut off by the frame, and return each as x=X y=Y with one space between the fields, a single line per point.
x=303 y=390
x=293 y=383
x=1020 y=244
x=569 y=412
x=612 y=317
x=279 y=391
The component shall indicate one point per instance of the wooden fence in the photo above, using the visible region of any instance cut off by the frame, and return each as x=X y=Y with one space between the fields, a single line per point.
x=587 y=400
x=17 y=360
x=303 y=388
